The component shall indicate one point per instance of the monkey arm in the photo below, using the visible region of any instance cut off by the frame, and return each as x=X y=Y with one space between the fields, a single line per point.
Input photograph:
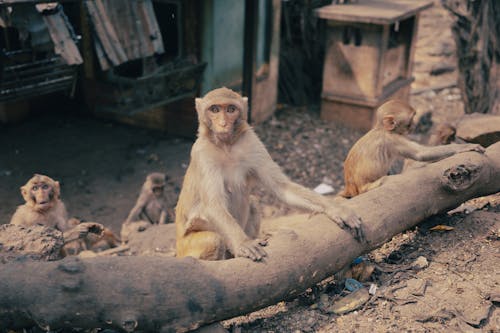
x=163 y=217
x=293 y=194
x=415 y=151
x=137 y=209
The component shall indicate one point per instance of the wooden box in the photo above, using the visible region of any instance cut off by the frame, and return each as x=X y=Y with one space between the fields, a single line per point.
x=368 y=58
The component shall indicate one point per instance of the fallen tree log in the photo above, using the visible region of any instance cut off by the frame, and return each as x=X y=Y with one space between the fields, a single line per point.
x=171 y=294
x=479 y=128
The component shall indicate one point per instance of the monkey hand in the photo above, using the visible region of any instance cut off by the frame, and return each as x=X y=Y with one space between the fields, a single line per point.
x=472 y=147
x=251 y=248
x=82 y=230
x=346 y=218
x=85 y=228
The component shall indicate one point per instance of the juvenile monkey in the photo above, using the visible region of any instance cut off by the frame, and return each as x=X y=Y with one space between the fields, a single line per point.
x=95 y=241
x=370 y=158
x=43 y=206
x=150 y=208
x=214 y=213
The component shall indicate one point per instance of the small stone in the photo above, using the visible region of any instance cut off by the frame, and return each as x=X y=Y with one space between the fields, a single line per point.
x=420 y=263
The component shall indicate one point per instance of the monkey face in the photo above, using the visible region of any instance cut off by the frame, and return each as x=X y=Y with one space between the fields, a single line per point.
x=158 y=190
x=40 y=192
x=223 y=119
x=41 y=195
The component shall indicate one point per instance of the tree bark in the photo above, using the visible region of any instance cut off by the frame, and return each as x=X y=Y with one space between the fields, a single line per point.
x=172 y=294
x=477 y=37
x=479 y=128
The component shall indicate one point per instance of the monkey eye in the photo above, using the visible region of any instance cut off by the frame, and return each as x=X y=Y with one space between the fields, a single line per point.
x=231 y=108
x=214 y=109
x=35 y=188
x=45 y=186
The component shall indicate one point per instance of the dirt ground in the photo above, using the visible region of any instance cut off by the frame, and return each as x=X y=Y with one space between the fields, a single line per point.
x=101 y=166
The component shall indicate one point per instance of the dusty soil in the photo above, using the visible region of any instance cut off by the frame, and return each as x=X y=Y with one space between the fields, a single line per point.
x=101 y=166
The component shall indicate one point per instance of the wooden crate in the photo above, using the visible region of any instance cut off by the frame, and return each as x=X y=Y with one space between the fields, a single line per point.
x=368 y=58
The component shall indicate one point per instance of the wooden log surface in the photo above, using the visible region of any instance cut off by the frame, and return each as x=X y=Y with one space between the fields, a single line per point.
x=479 y=128
x=170 y=294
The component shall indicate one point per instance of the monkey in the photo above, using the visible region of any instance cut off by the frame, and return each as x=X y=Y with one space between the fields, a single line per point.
x=150 y=208
x=370 y=158
x=43 y=206
x=443 y=134
x=215 y=218
x=96 y=242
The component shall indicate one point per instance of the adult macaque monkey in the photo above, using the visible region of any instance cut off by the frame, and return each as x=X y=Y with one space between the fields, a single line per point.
x=150 y=208
x=214 y=213
x=43 y=206
x=371 y=157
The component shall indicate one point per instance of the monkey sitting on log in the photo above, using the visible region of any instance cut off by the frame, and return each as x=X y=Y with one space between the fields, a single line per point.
x=43 y=206
x=150 y=208
x=214 y=215
x=371 y=157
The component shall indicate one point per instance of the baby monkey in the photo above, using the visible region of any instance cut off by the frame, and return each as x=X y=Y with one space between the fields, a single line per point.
x=371 y=157
x=150 y=208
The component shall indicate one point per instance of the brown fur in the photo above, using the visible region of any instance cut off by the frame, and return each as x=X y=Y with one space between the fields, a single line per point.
x=371 y=157
x=214 y=214
x=42 y=206
x=150 y=207
x=99 y=238
x=443 y=134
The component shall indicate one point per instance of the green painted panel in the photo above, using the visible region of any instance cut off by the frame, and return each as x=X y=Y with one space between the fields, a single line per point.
x=222 y=49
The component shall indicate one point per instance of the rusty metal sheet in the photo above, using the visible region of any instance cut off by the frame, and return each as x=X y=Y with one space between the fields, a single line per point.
x=59 y=31
x=15 y=2
x=125 y=30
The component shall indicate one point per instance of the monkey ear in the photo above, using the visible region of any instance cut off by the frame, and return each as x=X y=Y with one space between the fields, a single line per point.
x=245 y=107
x=57 y=189
x=198 y=102
x=389 y=123
x=24 y=193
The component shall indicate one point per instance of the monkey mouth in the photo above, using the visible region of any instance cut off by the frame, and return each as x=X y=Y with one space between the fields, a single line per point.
x=42 y=205
x=225 y=135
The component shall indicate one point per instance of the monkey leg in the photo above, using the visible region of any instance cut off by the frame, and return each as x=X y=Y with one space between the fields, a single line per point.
x=206 y=245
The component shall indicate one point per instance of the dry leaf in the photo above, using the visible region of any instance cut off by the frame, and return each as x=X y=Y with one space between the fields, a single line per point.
x=441 y=227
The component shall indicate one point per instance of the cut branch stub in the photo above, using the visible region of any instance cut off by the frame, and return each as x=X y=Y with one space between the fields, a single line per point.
x=460 y=177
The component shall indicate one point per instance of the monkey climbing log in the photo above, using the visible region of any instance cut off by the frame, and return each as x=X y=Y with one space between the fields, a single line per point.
x=171 y=294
